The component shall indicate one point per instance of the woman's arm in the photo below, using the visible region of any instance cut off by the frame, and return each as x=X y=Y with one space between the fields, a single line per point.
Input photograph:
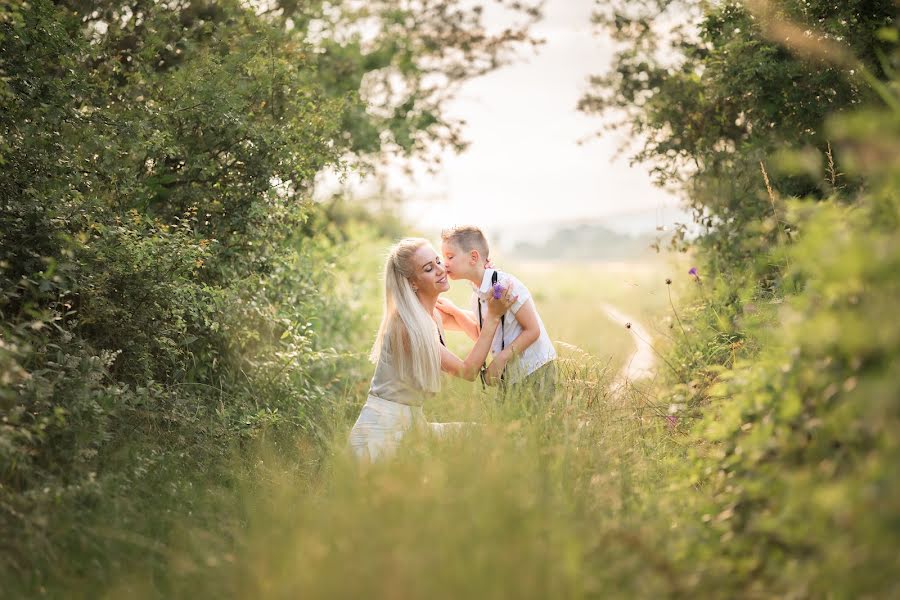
x=454 y=318
x=457 y=319
x=448 y=319
x=469 y=367
x=467 y=323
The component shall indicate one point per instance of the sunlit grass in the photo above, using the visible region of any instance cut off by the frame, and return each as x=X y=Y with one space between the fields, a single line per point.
x=569 y=297
x=540 y=499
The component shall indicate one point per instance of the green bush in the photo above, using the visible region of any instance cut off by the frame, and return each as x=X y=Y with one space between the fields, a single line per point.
x=785 y=370
x=168 y=290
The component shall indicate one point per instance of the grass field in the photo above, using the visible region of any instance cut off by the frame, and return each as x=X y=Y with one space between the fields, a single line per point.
x=569 y=297
x=539 y=500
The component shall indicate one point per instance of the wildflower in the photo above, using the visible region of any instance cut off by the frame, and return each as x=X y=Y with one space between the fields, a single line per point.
x=628 y=325
x=668 y=281
x=671 y=421
x=695 y=274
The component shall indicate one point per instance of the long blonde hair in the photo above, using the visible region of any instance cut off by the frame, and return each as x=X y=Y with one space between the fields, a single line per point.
x=407 y=331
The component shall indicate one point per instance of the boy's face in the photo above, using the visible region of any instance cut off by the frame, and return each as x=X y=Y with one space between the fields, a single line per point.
x=459 y=264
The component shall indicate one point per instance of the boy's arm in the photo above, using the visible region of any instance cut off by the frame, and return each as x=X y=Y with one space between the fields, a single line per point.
x=531 y=331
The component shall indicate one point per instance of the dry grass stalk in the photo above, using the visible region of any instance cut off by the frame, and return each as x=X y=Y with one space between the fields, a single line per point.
x=832 y=172
x=769 y=189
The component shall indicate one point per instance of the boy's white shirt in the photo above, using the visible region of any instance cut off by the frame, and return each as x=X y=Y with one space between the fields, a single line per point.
x=534 y=356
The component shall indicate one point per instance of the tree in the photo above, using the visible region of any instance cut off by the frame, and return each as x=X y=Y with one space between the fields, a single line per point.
x=711 y=91
x=165 y=280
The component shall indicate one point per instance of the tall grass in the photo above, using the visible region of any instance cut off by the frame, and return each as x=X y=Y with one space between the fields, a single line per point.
x=569 y=297
x=537 y=499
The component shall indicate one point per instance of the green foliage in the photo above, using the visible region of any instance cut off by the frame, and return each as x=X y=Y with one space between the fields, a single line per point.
x=788 y=357
x=720 y=91
x=545 y=501
x=168 y=290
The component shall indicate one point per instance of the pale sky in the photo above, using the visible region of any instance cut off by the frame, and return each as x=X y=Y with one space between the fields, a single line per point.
x=525 y=170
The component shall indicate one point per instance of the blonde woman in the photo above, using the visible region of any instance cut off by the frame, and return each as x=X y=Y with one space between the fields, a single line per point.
x=409 y=351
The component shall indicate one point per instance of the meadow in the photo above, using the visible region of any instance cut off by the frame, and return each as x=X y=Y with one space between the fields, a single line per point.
x=570 y=296
x=542 y=498
x=184 y=330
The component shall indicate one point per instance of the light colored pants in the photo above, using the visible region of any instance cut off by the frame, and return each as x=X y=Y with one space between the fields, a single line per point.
x=381 y=425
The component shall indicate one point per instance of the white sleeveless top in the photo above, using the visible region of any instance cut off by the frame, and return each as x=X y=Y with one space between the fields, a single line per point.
x=387 y=384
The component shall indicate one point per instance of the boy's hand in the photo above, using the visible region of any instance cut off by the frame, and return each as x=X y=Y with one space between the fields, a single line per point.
x=492 y=374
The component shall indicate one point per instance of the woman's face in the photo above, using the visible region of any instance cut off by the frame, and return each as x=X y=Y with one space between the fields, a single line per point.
x=429 y=275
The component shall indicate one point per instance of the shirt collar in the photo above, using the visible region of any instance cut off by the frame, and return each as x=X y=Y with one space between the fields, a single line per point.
x=485 y=282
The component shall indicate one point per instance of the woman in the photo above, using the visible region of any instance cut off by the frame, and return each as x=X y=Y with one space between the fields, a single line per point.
x=409 y=351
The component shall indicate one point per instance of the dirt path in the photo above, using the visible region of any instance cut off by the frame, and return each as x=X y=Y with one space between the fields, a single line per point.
x=642 y=362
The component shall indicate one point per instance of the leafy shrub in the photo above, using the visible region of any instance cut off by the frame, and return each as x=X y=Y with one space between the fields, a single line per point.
x=788 y=358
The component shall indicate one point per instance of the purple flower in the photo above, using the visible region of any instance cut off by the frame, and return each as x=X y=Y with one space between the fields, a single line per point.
x=498 y=291
x=694 y=273
x=671 y=421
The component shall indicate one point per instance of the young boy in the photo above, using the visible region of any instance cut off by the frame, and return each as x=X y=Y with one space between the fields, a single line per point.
x=522 y=350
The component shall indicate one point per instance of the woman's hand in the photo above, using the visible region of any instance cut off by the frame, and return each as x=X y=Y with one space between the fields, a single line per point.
x=470 y=367
x=496 y=307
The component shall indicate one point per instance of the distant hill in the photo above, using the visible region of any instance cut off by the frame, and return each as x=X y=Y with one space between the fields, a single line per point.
x=585 y=242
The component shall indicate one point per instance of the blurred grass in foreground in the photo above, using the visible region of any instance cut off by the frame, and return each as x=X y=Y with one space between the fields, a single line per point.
x=539 y=500
x=566 y=498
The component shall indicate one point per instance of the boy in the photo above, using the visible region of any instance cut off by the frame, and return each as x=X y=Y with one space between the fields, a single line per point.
x=522 y=350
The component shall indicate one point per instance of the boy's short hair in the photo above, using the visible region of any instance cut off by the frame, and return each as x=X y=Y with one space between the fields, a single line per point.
x=467 y=238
